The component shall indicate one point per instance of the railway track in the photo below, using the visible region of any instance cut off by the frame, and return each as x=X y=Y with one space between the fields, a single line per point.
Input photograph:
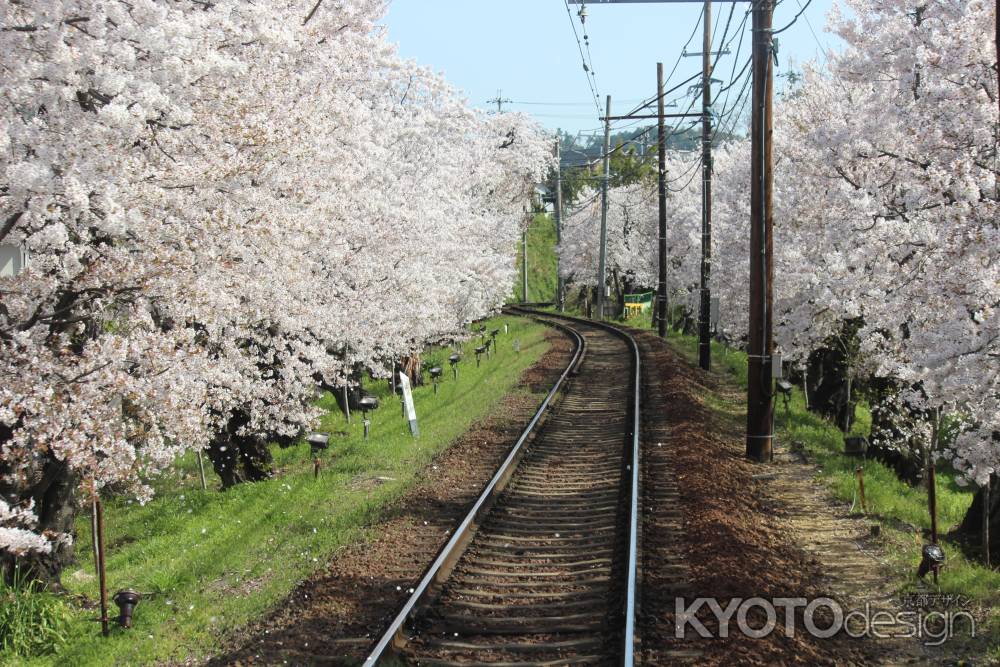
x=543 y=569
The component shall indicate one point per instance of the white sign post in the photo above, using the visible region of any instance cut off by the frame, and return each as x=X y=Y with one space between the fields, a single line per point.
x=411 y=413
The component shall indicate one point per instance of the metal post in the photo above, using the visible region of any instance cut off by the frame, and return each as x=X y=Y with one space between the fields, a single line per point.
x=347 y=405
x=524 y=265
x=602 y=262
x=201 y=470
x=860 y=473
x=932 y=476
x=704 y=311
x=661 y=149
x=760 y=342
x=986 y=523
x=101 y=568
x=560 y=287
x=805 y=384
x=848 y=411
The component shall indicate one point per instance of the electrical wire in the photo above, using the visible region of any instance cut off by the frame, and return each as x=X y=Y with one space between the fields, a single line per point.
x=802 y=10
x=673 y=69
x=561 y=115
x=649 y=102
x=693 y=171
x=563 y=104
x=591 y=84
x=734 y=78
x=822 y=48
x=742 y=100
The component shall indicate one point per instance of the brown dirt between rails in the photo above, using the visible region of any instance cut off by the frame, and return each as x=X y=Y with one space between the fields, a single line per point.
x=728 y=537
x=334 y=617
x=710 y=529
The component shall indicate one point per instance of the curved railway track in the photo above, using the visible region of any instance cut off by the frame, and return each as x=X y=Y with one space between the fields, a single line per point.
x=542 y=571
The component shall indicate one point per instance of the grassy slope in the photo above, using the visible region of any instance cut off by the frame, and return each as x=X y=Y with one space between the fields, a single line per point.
x=900 y=509
x=542 y=277
x=214 y=561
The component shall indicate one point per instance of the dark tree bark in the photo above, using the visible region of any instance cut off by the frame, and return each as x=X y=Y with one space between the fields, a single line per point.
x=239 y=458
x=971 y=528
x=619 y=286
x=412 y=367
x=50 y=484
x=689 y=323
x=890 y=442
x=830 y=392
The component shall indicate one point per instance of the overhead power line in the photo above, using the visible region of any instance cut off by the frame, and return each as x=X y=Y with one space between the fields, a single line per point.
x=587 y=69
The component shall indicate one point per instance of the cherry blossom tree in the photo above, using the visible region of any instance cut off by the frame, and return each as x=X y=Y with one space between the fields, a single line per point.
x=225 y=204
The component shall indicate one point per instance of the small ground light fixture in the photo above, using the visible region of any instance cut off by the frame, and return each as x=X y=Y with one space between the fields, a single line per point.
x=479 y=353
x=126 y=600
x=453 y=360
x=784 y=388
x=932 y=560
x=318 y=442
x=435 y=377
x=367 y=403
x=493 y=335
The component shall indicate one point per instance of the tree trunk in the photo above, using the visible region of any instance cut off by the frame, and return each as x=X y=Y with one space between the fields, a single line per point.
x=971 y=528
x=237 y=458
x=411 y=366
x=50 y=484
x=828 y=396
x=619 y=285
x=689 y=323
x=828 y=370
x=892 y=424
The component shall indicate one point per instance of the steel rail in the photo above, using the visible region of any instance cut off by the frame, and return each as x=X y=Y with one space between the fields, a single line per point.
x=628 y=652
x=394 y=632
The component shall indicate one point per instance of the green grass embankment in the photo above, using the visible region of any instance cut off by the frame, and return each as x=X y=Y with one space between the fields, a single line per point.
x=542 y=261
x=900 y=509
x=210 y=562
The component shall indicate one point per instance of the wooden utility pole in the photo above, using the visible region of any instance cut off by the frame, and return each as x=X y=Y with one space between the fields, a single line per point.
x=602 y=262
x=705 y=309
x=661 y=149
x=760 y=387
x=560 y=299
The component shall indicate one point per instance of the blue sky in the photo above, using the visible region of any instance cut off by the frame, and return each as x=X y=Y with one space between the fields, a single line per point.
x=527 y=48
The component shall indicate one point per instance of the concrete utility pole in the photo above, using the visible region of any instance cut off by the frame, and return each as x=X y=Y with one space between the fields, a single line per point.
x=705 y=293
x=661 y=149
x=602 y=262
x=760 y=405
x=560 y=300
x=499 y=100
x=704 y=312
